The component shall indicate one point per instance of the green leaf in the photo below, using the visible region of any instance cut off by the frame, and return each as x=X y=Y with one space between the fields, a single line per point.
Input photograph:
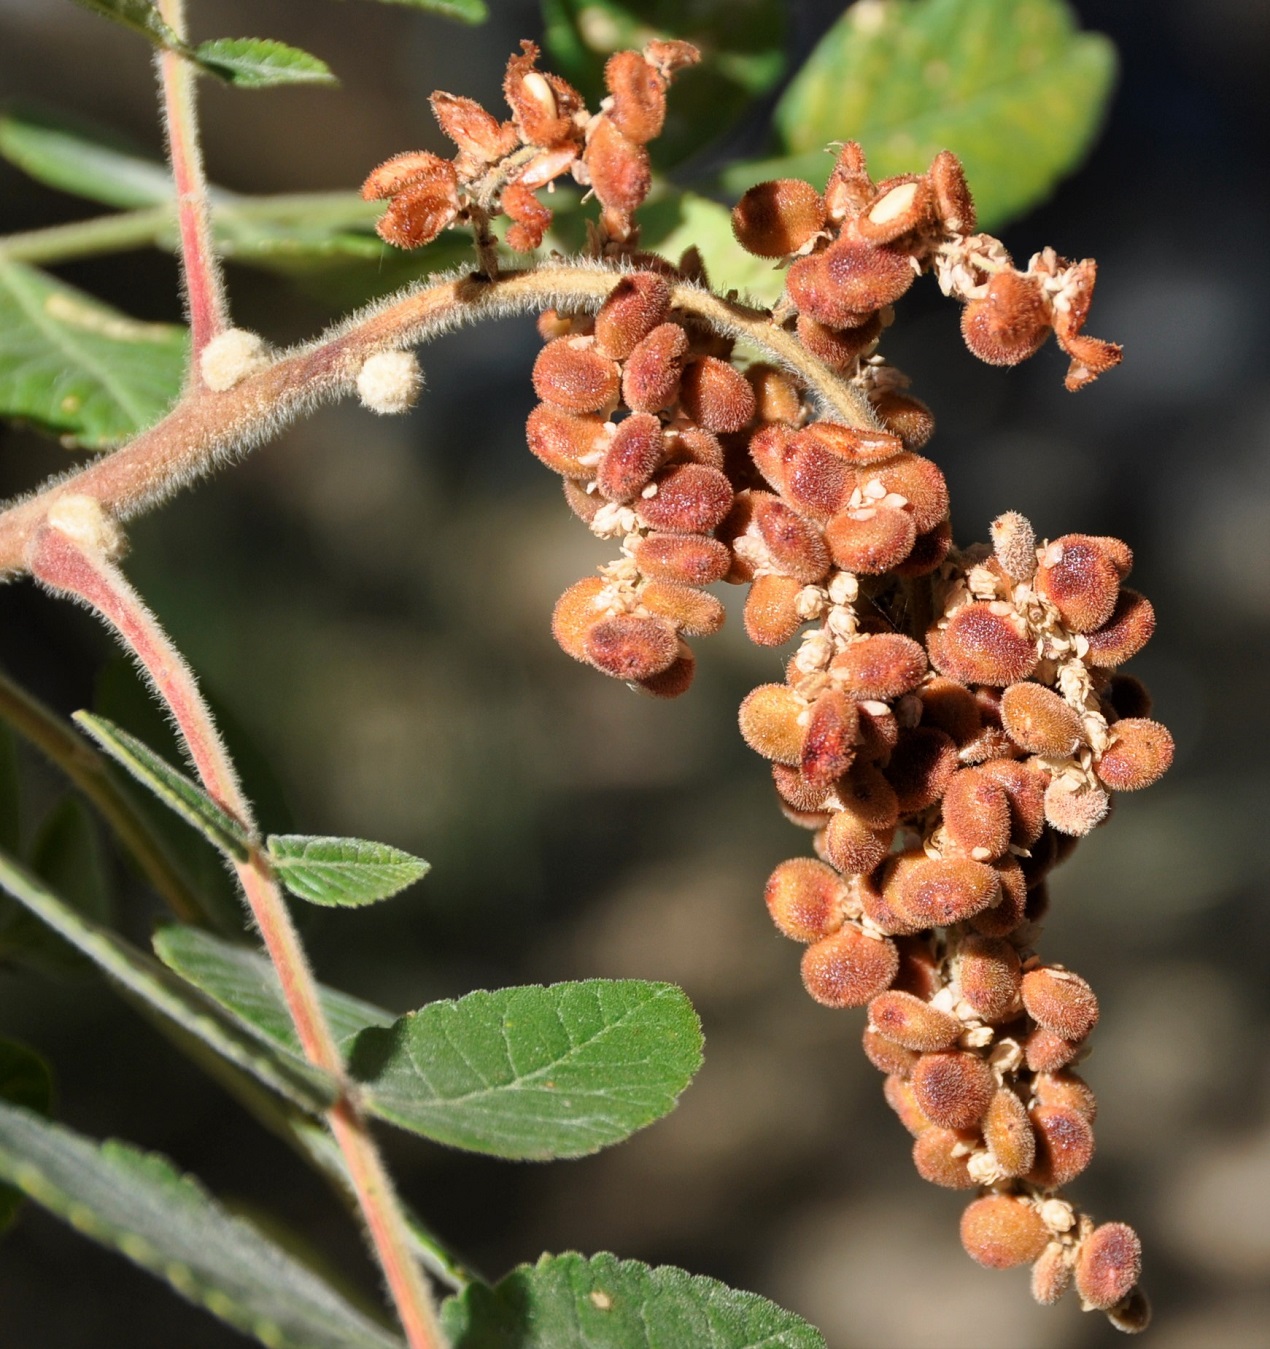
x=139 y=15
x=342 y=872
x=607 y=1303
x=160 y=991
x=1011 y=86
x=167 y=1223
x=256 y=63
x=742 y=46
x=65 y=154
x=465 y=11
x=174 y=789
x=25 y=1080
x=682 y=220
x=245 y=983
x=533 y=1073
x=78 y=368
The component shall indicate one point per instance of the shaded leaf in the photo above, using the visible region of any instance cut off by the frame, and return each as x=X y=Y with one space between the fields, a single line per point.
x=76 y=367
x=1011 y=86
x=534 y=1072
x=743 y=55
x=257 y=63
x=63 y=153
x=158 y=990
x=607 y=1303
x=342 y=872
x=245 y=983
x=174 y=789
x=167 y=1223
x=66 y=855
x=683 y=220
x=25 y=1080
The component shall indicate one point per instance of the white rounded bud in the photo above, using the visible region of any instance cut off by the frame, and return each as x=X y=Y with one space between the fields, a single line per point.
x=389 y=381
x=230 y=357
x=82 y=519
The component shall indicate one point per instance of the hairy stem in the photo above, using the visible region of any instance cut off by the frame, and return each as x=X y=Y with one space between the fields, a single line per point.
x=207 y=429
x=204 y=288
x=83 y=572
x=90 y=772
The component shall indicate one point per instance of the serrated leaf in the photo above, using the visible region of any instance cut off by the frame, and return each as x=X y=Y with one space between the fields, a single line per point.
x=159 y=991
x=174 y=789
x=533 y=1073
x=342 y=872
x=257 y=63
x=1011 y=86
x=140 y=1204
x=743 y=55
x=607 y=1303
x=65 y=154
x=139 y=15
x=25 y=1080
x=682 y=220
x=76 y=367
x=245 y=983
x=465 y=11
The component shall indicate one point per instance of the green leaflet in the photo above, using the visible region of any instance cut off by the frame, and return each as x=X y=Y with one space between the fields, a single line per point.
x=246 y=984
x=157 y=989
x=25 y=1080
x=743 y=55
x=164 y=1221
x=607 y=1303
x=174 y=789
x=258 y=63
x=342 y=872
x=534 y=1073
x=1012 y=86
x=78 y=368
x=139 y=15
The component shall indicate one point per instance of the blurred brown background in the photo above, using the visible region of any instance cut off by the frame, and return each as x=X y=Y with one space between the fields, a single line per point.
x=369 y=599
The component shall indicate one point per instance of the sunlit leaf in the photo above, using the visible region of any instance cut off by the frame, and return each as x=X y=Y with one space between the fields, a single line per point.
x=257 y=63
x=74 y=366
x=342 y=872
x=140 y=1204
x=534 y=1072
x=607 y=1303
x=743 y=55
x=1011 y=86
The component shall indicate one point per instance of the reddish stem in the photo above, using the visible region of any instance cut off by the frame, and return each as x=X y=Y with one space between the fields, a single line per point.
x=68 y=567
x=204 y=289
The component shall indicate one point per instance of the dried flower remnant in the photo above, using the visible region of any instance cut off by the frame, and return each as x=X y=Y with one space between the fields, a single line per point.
x=951 y=721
